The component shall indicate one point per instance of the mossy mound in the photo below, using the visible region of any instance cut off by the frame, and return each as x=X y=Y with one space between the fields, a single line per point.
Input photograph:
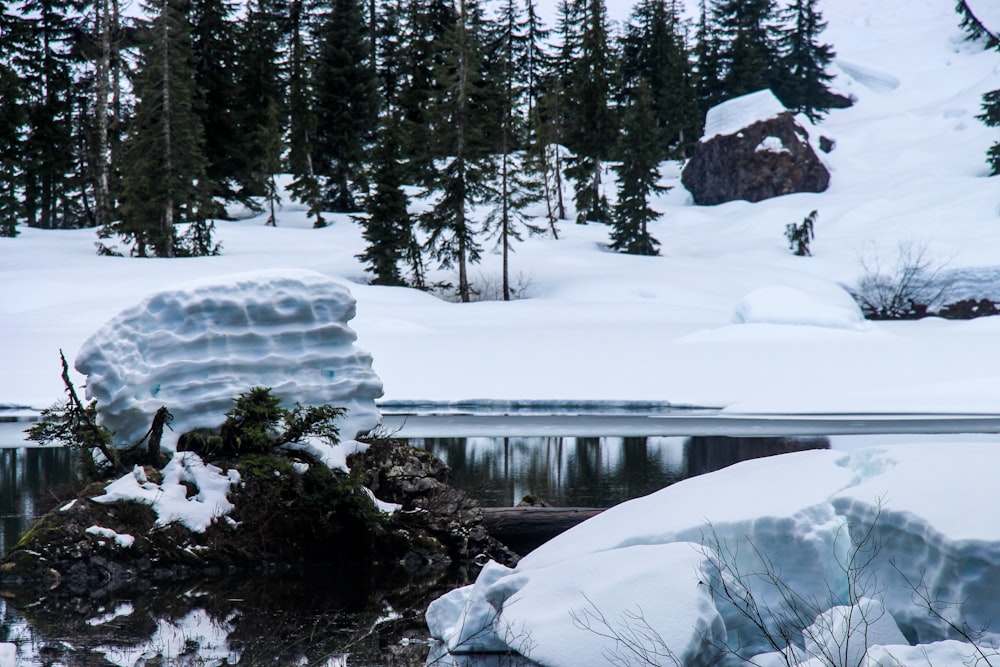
x=289 y=512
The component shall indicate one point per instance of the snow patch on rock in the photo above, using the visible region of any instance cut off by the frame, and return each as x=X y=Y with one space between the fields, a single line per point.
x=733 y=115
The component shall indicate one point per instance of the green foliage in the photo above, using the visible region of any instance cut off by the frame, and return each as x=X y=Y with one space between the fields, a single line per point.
x=991 y=117
x=800 y=235
x=72 y=424
x=638 y=176
x=803 y=87
x=258 y=424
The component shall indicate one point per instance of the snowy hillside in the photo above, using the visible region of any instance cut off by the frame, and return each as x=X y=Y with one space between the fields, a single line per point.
x=908 y=166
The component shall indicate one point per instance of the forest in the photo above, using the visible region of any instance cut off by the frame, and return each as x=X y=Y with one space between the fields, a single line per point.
x=144 y=123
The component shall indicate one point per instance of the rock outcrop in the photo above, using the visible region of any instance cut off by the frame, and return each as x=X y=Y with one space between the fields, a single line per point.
x=753 y=149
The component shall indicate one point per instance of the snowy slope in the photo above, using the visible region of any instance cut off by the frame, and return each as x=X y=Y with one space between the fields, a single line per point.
x=908 y=166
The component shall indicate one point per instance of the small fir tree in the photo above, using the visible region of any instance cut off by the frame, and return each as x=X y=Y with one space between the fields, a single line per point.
x=974 y=26
x=800 y=235
x=991 y=117
x=638 y=177
x=388 y=227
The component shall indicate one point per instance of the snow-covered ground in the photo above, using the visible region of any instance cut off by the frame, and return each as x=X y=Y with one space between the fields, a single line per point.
x=908 y=166
x=727 y=317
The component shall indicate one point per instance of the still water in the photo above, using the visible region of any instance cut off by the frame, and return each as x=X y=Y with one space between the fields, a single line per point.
x=327 y=618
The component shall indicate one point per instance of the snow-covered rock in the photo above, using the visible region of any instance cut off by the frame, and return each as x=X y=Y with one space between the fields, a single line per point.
x=798 y=516
x=196 y=347
x=752 y=149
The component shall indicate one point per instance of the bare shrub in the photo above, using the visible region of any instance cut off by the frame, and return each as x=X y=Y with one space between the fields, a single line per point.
x=912 y=285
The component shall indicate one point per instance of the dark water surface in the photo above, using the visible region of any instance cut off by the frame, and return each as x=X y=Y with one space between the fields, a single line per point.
x=325 y=618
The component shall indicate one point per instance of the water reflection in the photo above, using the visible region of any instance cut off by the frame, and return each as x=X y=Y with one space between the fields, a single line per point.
x=28 y=479
x=325 y=618
x=330 y=618
x=592 y=472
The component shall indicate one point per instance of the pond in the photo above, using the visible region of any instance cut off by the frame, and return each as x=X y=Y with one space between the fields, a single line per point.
x=328 y=617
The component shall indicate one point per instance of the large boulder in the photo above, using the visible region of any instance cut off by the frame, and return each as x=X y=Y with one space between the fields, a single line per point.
x=753 y=150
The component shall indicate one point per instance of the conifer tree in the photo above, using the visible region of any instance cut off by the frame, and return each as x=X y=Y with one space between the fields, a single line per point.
x=462 y=181
x=638 y=176
x=517 y=189
x=708 y=80
x=991 y=116
x=260 y=98
x=591 y=130
x=388 y=226
x=654 y=52
x=163 y=166
x=389 y=51
x=306 y=185
x=49 y=148
x=11 y=125
x=974 y=26
x=429 y=26
x=215 y=66
x=748 y=48
x=976 y=29
x=346 y=105
x=803 y=86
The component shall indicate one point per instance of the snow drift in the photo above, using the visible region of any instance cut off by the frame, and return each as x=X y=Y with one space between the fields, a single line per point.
x=196 y=347
x=849 y=536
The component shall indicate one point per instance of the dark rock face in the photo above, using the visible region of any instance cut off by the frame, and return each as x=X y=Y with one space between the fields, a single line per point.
x=767 y=159
x=448 y=522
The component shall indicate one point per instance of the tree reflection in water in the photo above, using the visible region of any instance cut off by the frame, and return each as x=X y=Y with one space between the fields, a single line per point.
x=591 y=472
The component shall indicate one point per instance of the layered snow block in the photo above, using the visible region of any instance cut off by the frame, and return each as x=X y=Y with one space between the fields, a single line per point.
x=752 y=149
x=916 y=516
x=195 y=348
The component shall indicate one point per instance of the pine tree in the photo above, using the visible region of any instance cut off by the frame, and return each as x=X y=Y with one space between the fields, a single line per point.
x=463 y=180
x=428 y=29
x=260 y=99
x=213 y=26
x=590 y=126
x=803 y=88
x=638 y=176
x=389 y=51
x=345 y=88
x=991 y=100
x=163 y=164
x=974 y=26
x=510 y=49
x=707 y=71
x=653 y=51
x=12 y=122
x=749 y=49
x=306 y=185
x=388 y=227
x=50 y=147
x=991 y=116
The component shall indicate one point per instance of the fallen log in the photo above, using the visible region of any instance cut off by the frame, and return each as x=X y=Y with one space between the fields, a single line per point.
x=525 y=528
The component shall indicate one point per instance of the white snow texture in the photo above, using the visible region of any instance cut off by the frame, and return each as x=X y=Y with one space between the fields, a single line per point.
x=198 y=346
x=644 y=570
x=733 y=115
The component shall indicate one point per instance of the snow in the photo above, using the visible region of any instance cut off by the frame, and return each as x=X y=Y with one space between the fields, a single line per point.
x=771 y=145
x=122 y=540
x=727 y=316
x=196 y=346
x=733 y=115
x=169 y=498
x=803 y=517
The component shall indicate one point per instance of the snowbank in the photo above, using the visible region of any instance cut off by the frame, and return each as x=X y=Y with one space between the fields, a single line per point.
x=786 y=305
x=801 y=516
x=196 y=347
